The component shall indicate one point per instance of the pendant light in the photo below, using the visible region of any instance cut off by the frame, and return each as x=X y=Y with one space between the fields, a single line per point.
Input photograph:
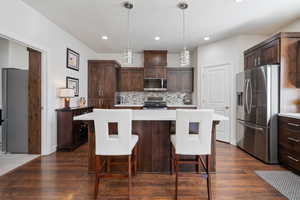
x=184 y=54
x=128 y=55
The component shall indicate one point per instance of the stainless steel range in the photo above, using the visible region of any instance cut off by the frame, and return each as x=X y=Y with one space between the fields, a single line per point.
x=257 y=108
x=155 y=103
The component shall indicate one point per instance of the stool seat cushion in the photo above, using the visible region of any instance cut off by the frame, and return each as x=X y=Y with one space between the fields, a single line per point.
x=190 y=137
x=133 y=141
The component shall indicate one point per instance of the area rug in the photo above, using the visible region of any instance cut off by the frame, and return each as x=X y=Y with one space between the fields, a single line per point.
x=285 y=182
x=9 y=162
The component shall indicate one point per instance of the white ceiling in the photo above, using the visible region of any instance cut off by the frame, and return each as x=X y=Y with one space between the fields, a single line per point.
x=88 y=20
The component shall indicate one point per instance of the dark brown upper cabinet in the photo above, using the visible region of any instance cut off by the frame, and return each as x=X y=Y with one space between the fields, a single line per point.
x=155 y=58
x=155 y=63
x=131 y=79
x=266 y=54
x=298 y=65
x=270 y=53
x=155 y=72
x=102 y=83
x=180 y=79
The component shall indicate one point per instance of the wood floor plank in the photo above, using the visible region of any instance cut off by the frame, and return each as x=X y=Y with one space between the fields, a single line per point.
x=63 y=176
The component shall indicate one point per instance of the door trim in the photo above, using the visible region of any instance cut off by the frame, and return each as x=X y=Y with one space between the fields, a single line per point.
x=45 y=138
x=34 y=101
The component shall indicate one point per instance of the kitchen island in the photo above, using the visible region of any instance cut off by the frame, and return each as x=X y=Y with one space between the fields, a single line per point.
x=154 y=129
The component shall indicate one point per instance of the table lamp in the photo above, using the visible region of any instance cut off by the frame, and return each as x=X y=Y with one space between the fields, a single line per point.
x=66 y=93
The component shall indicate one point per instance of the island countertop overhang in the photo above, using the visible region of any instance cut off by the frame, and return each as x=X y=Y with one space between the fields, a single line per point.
x=151 y=115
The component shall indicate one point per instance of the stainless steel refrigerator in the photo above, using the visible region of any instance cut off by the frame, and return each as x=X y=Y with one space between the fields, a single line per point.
x=257 y=108
x=15 y=110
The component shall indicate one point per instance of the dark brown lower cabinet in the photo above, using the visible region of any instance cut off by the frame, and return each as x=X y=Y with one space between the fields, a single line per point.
x=71 y=134
x=289 y=143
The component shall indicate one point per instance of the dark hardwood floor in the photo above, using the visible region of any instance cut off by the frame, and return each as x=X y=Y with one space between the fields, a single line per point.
x=63 y=176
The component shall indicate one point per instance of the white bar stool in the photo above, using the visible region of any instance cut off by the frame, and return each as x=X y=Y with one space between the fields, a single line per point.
x=123 y=144
x=184 y=143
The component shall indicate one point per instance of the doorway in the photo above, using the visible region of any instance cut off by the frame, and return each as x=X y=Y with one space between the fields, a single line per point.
x=215 y=87
x=20 y=98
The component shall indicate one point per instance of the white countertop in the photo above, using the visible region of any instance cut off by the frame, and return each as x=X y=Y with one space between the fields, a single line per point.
x=151 y=115
x=129 y=105
x=291 y=115
x=181 y=106
x=169 y=105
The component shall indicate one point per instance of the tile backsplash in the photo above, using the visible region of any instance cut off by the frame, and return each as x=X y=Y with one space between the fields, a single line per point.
x=175 y=98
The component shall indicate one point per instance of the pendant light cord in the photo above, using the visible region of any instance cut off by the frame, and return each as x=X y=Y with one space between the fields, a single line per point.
x=128 y=29
x=183 y=26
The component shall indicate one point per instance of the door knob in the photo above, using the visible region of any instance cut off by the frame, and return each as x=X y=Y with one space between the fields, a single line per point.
x=227 y=107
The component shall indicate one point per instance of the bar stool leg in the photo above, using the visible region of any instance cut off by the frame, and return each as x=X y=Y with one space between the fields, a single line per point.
x=108 y=165
x=129 y=177
x=177 y=169
x=208 y=177
x=135 y=160
x=172 y=160
x=198 y=165
x=98 y=171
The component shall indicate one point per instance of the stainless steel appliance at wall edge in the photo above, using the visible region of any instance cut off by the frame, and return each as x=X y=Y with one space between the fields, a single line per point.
x=257 y=109
x=15 y=110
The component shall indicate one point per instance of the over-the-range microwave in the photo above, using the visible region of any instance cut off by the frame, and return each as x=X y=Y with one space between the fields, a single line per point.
x=155 y=85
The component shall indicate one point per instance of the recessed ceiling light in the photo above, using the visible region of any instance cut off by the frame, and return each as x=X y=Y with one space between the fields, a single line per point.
x=157 y=38
x=206 y=38
x=239 y=1
x=104 y=37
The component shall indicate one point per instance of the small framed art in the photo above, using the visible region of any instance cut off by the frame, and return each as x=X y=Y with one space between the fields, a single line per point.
x=72 y=59
x=74 y=84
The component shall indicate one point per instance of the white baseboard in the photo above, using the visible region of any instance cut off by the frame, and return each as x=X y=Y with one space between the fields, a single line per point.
x=51 y=150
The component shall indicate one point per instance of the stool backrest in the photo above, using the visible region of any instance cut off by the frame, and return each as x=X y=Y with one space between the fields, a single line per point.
x=117 y=144
x=193 y=144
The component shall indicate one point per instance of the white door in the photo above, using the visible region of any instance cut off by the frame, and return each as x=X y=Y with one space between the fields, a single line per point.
x=216 y=95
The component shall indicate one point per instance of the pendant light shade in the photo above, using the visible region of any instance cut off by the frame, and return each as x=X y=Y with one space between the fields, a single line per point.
x=185 y=53
x=185 y=57
x=128 y=54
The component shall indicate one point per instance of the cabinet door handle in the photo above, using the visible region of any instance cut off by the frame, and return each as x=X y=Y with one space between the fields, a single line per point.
x=293 y=140
x=293 y=124
x=293 y=159
x=258 y=60
x=99 y=92
x=255 y=61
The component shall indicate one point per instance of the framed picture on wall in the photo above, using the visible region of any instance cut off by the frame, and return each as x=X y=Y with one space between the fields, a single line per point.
x=74 y=84
x=72 y=59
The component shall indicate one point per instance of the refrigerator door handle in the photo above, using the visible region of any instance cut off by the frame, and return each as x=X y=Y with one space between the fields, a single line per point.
x=251 y=96
x=246 y=95
x=251 y=126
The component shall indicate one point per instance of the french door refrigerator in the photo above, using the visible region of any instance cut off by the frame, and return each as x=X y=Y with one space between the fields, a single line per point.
x=15 y=110
x=257 y=109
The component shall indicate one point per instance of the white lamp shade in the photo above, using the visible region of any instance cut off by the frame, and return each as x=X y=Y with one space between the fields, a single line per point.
x=66 y=92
